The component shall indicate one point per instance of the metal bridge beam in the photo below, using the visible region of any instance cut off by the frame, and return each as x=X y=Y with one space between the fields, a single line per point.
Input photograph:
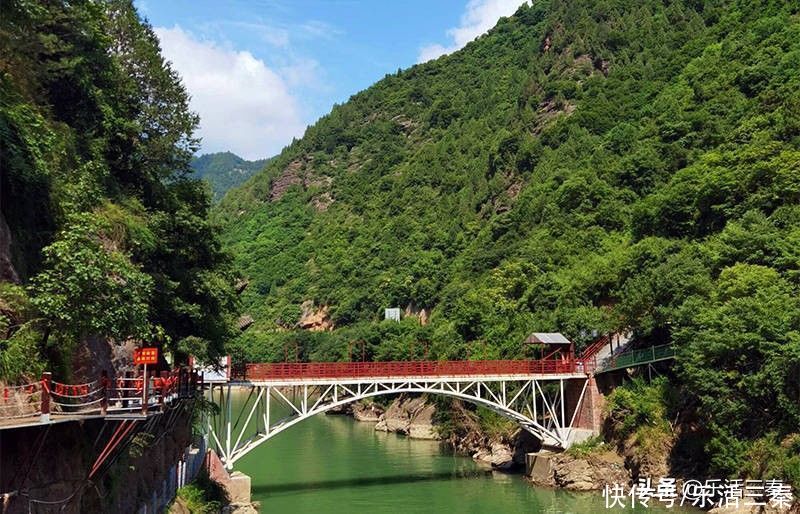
x=542 y=411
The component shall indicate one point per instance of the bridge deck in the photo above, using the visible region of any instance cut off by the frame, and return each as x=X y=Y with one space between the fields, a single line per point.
x=34 y=419
x=331 y=372
x=288 y=382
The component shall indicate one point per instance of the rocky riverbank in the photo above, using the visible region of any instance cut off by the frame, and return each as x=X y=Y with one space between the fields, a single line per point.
x=414 y=417
x=590 y=468
x=589 y=473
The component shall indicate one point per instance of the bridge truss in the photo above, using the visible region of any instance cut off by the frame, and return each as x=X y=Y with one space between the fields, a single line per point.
x=252 y=412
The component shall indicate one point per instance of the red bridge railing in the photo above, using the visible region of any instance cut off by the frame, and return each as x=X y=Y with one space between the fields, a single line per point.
x=323 y=370
x=596 y=346
x=103 y=396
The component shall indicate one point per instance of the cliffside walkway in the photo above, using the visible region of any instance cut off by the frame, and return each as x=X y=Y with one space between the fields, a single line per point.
x=544 y=396
x=639 y=357
x=126 y=398
x=604 y=357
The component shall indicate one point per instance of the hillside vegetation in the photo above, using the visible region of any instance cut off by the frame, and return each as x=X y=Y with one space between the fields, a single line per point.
x=104 y=234
x=585 y=167
x=224 y=171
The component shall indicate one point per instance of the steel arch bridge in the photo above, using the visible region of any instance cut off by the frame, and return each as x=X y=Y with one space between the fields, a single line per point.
x=543 y=397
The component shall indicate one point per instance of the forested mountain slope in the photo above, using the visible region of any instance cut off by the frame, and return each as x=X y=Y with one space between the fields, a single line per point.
x=224 y=170
x=104 y=234
x=585 y=167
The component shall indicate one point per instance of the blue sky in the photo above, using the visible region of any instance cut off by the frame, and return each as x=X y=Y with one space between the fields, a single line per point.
x=260 y=71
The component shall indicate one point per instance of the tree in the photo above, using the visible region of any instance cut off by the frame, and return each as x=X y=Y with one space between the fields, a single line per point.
x=743 y=344
x=89 y=286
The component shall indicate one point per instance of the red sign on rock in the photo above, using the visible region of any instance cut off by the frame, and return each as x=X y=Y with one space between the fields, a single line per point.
x=145 y=356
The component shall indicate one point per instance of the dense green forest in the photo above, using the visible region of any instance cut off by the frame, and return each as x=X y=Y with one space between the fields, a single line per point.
x=224 y=170
x=585 y=167
x=105 y=234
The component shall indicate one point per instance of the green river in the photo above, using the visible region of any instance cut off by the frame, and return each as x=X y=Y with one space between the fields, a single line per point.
x=336 y=464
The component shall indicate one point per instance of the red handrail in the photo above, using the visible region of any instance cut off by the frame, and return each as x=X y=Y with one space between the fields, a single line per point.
x=595 y=347
x=311 y=370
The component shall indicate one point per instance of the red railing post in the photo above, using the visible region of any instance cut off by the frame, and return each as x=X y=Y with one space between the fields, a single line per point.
x=181 y=389
x=104 y=386
x=44 y=410
x=161 y=386
x=145 y=388
x=122 y=388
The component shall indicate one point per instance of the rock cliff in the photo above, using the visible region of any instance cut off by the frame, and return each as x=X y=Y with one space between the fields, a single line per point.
x=412 y=417
x=315 y=319
x=370 y=412
x=7 y=271
x=579 y=474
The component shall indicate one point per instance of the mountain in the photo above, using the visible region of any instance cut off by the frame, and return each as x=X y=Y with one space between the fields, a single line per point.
x=585 y=167
x=225 y=170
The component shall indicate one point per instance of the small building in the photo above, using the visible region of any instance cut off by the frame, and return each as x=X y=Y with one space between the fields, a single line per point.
x=392 y=314
x=244 y=322
x=552 y=345
x=241 y=285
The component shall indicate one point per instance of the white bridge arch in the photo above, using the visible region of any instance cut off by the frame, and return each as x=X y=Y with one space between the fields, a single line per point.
x=545 y=405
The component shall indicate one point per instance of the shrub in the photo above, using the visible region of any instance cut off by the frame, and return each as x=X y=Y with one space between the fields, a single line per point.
x=640 y=410
x=20 y=358
x=203 y=495
x=588 y=447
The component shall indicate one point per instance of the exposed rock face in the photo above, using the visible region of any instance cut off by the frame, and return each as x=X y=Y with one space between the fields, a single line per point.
x=369 y=412
x=290 y=176
x=409 y=416
x=322 y=201
x=504 y=454
x=549 y=110
x=236 y=485
x=341 y=410
x=501 y=452
x=414 y=417
x=406 y=124
x=589 y=474
x=422 y=313
x=647 y=464
x=7 y=271
x=98 y=354
x=652 y=461
x=241 y=508
x=315 y=319
x=297 y=173
x=498 y=454
x=421 y=425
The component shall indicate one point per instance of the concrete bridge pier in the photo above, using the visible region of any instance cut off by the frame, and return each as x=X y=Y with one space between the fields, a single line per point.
x=584 y=398
x=236 y=483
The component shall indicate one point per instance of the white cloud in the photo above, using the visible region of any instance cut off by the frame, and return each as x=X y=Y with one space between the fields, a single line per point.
x=244 y=106
x=426 y=53
x=479 y=17
x=302 y=73
x=270 y=34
